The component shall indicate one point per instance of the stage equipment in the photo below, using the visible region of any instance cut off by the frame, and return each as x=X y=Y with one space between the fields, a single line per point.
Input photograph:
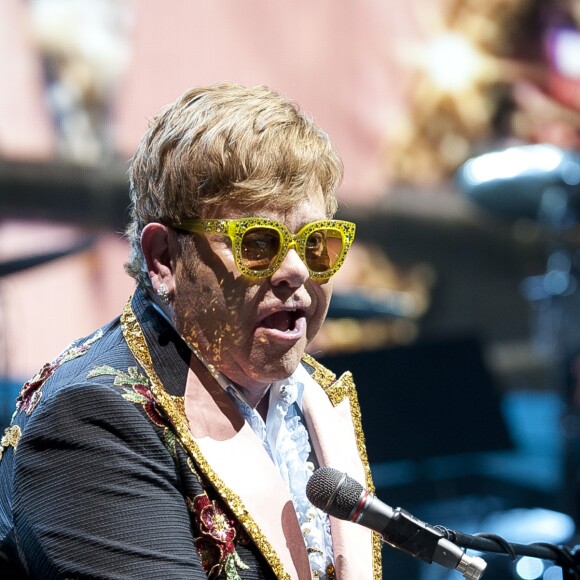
x=342 y=497
x=541 y=183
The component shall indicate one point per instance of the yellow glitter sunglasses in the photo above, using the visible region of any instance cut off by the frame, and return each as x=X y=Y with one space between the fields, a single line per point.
x=260 y=245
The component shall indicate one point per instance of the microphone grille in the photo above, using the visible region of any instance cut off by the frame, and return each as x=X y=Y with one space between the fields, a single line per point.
x=334 y=492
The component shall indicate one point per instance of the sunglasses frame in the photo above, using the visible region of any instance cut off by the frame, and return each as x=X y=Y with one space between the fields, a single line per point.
x=236 y=228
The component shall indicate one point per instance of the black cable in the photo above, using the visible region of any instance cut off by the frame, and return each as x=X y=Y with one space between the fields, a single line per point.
x=504 y=544
x=566 y=558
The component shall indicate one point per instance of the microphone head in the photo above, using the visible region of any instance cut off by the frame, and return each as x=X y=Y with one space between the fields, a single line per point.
x=334 y=492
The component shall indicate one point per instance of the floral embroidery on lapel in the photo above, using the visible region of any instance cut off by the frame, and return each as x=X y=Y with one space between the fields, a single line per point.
x=139 y=392
x=216 y=545
x=31 y=393
x=11 y=437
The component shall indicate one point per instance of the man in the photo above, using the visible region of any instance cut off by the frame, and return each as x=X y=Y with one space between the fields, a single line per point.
x=176 y=442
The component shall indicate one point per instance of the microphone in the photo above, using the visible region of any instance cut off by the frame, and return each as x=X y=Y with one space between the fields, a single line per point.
x=340 y=496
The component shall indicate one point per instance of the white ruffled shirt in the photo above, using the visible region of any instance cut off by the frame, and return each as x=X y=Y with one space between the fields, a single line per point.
x=286 y=440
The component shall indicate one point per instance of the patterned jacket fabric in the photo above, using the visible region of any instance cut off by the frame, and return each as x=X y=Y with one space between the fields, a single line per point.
x=95 y=481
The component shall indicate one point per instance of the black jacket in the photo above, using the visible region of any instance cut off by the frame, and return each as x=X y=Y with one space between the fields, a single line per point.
x=99 y=477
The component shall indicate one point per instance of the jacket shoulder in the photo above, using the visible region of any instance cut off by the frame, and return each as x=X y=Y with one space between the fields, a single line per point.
x=322 y=375
x=336 y=388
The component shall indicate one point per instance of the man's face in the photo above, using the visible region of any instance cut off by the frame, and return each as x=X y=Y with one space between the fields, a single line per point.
x=254 y=331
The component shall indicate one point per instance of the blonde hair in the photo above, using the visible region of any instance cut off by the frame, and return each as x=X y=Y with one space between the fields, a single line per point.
x=226 y=144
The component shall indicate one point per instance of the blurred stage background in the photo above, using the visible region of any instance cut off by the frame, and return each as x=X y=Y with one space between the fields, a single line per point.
x=458 y=310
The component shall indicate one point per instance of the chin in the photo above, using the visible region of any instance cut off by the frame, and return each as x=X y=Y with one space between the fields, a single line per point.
x=278 y=367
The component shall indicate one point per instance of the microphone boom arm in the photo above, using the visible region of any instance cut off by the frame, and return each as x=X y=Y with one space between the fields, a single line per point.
x=568 y=559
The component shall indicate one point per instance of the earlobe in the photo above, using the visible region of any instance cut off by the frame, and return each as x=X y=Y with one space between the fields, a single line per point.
x=157 y=246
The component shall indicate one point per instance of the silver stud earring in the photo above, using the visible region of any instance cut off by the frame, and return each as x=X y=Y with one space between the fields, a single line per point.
x=163 y=294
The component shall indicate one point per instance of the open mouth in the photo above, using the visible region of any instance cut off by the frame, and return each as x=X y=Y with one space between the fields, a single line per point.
x=283 y=321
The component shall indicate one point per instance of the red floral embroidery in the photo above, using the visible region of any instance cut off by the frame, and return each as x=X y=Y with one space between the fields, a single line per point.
x=211 y=555
x=137 y=389
x=214 y=522
x=216 y=545
x=30 y=393
x=150 y=405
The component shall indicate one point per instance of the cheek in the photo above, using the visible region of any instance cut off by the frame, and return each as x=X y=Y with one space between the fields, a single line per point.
x=211 y=311
x=321 y=293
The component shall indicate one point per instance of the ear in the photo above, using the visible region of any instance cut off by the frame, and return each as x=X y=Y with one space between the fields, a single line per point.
x=158 y=243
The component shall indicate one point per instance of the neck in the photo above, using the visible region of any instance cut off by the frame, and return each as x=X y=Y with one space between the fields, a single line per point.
x=257 y=398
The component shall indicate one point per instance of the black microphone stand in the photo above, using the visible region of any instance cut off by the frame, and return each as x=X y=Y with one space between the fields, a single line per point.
x=568 y=559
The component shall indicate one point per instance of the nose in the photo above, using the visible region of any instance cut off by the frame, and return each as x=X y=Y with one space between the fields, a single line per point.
x=292 y=271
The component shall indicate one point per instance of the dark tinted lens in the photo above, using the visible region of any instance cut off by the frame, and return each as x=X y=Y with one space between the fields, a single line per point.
x=260 y=246
x=323 y=247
